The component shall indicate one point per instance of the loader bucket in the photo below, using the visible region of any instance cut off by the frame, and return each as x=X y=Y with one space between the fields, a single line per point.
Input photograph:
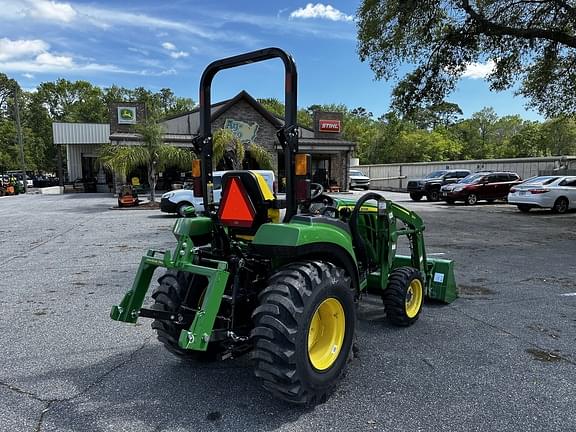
x=440 y=281
x=442 y=285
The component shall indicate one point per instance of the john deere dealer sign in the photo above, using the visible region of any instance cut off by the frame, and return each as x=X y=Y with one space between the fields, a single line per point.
x=126 y=115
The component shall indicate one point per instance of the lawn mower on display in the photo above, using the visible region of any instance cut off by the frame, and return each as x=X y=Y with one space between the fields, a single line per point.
x=281 y=279
x=127 y=197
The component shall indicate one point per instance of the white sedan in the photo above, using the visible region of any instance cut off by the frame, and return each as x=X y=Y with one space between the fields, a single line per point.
x=554 y=192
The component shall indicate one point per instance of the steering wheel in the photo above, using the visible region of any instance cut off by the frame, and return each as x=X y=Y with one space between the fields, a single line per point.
x=316 y=189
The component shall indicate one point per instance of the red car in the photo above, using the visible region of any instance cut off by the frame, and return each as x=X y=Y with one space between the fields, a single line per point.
x=480 y=186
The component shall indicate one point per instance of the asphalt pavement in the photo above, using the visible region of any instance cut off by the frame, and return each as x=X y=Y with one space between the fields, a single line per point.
x=502 y=357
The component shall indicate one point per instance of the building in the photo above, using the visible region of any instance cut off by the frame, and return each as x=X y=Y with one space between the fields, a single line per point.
x=248 y=120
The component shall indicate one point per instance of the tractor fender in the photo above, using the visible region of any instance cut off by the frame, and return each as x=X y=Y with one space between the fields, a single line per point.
x=308 y=238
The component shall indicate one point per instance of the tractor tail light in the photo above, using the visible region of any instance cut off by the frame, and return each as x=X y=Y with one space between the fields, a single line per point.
x=196 y=168
x=538 y=191
x=302 y=190
x=197 y=178
x=302 y=161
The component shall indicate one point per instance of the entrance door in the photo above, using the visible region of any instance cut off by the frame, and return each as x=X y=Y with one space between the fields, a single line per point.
x=321 y=170
x=89 y=167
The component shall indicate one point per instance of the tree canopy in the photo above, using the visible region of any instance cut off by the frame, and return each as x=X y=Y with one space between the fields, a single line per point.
x=530 y=44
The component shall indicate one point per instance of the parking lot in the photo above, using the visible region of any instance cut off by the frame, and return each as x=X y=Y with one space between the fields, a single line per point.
x=502 y=357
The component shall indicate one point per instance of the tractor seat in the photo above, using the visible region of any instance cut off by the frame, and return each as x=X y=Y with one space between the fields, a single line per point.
x=247 y=202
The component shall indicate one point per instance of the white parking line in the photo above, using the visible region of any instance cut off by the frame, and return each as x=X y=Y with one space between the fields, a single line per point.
x=568 y=294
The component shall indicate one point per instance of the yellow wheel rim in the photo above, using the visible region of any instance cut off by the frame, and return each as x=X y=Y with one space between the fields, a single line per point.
x=326 y=334
x=413 y=298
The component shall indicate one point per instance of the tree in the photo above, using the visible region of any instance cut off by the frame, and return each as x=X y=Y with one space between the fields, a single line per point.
x=528 y=42
x=559 y=136
x=153 y=153
x=303 y=116
x=229 y=152
x=77 y=101
x=7 y=86
x=432 y=116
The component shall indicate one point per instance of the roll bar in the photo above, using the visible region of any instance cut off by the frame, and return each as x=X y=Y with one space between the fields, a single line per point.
x=288 y=134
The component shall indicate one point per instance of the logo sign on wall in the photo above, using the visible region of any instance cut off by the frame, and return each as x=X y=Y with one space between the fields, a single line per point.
x=330 y=126
x=126 y=115
x=245 y=132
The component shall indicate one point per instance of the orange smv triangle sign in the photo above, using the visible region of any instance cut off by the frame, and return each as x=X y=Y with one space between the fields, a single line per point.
x=236 y=209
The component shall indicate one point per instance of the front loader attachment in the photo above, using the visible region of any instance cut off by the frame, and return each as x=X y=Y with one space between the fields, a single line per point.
x=440 y=281
x=197 y=336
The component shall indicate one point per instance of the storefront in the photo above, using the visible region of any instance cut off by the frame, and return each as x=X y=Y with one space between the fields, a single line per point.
x=250 y=122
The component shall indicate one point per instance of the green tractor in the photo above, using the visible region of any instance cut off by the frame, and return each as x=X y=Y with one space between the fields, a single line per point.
x=241 y=280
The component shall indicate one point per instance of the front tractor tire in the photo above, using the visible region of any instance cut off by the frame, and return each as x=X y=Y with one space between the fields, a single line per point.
x=404 y=296
x=178 y=288
x=303 y=331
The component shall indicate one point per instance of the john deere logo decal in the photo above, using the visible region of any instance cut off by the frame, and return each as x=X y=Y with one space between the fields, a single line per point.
x=126 y=115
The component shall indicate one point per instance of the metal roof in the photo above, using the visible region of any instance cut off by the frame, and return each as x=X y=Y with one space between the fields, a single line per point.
x=80 y=133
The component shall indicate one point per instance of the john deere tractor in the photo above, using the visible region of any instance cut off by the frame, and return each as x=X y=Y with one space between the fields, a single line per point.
x=281 y=278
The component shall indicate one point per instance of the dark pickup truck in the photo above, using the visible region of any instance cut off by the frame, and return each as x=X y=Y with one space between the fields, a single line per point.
x=430 y=185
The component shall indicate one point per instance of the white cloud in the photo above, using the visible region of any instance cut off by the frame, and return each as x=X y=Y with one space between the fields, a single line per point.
x=173 y=53
x=322 y=11
x=11 y=49
x=48 y=59
x=33 y=56
x=51 y=10
x=138 y=50
x=479 y=70
x=178 y=54
x=82 y=15
x=113 y=17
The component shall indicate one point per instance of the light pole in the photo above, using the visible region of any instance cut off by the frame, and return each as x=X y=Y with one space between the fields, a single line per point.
x=20 y=141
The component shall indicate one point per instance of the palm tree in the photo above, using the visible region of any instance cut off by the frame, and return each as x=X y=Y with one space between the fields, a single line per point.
x=154 y=154
x=229 y=150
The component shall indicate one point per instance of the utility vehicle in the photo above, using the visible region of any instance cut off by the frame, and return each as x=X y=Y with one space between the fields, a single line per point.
x=240 y=280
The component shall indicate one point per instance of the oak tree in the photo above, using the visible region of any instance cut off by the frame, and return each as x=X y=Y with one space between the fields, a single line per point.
x=530 y=44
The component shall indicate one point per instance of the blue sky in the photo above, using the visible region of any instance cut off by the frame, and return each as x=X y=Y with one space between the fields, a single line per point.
x=158 y=44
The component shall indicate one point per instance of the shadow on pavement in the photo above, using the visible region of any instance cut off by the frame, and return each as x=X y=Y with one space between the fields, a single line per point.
x=154 y=391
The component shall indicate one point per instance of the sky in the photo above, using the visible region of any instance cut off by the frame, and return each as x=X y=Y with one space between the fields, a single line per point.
x=157 y=44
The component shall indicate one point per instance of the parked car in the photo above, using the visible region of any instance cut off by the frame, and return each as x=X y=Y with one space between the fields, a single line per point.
x=430 y=185
x=358 y=180
x=554 y=192
x=480 y=186
x=20 y=177
x=177 y=200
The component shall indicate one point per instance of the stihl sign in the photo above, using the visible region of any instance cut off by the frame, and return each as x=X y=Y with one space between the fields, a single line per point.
x=329 y=126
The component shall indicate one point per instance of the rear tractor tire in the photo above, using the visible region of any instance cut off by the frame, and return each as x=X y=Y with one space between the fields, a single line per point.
x=404 y=296
x=303 y=331
x=176 y=289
